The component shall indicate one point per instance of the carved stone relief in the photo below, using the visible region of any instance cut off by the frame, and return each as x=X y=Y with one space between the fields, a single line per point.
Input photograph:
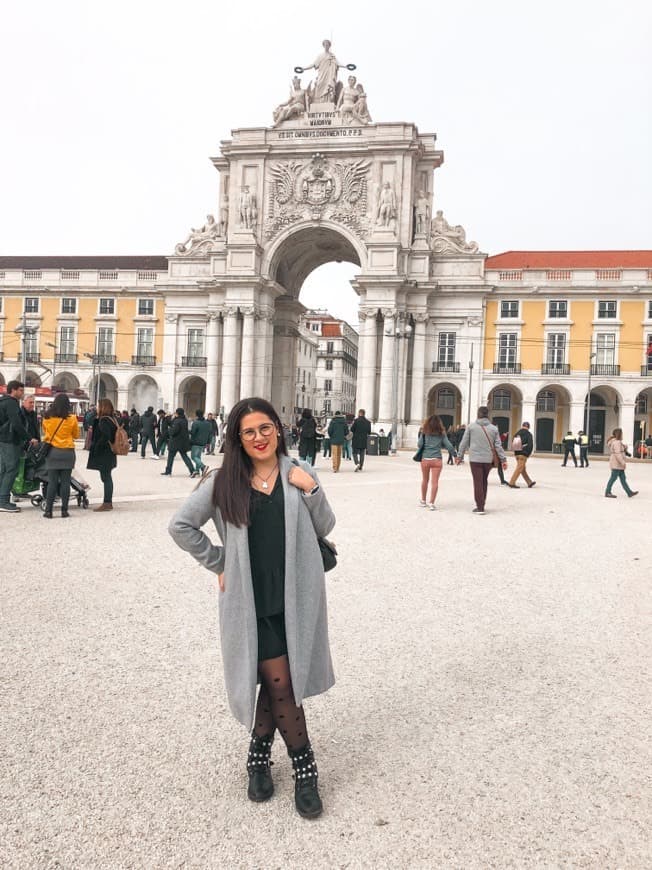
x=318 y=190
x=201 y=240
x=447 y=239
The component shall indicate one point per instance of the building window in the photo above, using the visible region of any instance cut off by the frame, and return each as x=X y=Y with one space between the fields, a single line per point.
x=0 y=303
x=557 y=308
x=308 y=378
x=195 y=342
x=556 y=352
x=31 y=344
x=641 y=404
x=329 y=347
x=107 y=306
x=509 y=309
x=105 y=341
x=649 y=310
x=327 y=406
x=546 y=401
x=67 y=340
x=328 y=386
x=31 y=305
x=445 y=398
x=145 y=307
x=607 y=309
x=606 y=348
x=446 y=352
x=314 y=327
x=68 y=306
x=501 y=400
x=329 y=365
x=145 y=342
x=507 y=345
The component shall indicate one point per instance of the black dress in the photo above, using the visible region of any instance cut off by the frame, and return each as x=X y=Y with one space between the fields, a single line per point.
x=267 y=557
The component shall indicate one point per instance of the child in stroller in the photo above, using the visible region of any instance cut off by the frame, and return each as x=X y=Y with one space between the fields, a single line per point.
x=35 y=475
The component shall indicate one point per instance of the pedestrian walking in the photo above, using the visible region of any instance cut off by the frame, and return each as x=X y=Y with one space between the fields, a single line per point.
x=163 y=425
x=583 y=441
x=617 y=463
x=450 y=434
x=431 y=439
x=101 y=457
x=569 y=448
x=14 y=437
x=325 y=440
x=179 y=442
x=214 y=432
x=360 y=429
x=482 y=441
x=522 y=445
x=60 y=428
x=307 y=427
x=133 y=429
x=200 y=434
x=268 y=513
x=337 y=432
x=148 y=423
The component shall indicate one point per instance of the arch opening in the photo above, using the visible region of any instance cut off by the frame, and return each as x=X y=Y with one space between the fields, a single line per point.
x=304 y=251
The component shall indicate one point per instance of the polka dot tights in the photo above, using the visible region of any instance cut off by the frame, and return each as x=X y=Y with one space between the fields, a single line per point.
x=276 y=707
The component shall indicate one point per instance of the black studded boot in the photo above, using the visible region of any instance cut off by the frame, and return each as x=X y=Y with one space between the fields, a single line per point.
x=306 y=794
x=261 y=785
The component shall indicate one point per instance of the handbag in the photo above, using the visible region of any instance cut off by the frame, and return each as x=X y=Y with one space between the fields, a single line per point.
x=496 y=459
x=45 y=446
x=327 y=548
x=418 y=456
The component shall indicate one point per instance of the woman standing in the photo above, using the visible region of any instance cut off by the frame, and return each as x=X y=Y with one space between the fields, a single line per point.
x=101 y=458
x=308 y=436
x=617 y=464
x=60 y=428
x=268 y=513
x=432 y=436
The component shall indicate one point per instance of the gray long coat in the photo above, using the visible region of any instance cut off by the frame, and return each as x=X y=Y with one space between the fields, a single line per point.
x=306 y=625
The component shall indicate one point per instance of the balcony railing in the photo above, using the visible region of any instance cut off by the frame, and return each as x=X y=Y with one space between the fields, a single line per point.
x=445 y=366
x=141 y=360
x=193 y=361
x=65 y=357
x=30 y=357
x=555 y=369
x=646 y=371
x=507 y=368
x=105 y=359
x=604 y=370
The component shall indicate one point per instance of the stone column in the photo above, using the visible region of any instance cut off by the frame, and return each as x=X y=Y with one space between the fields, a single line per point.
x=169 y=366
x=576 y=421
x=417 y=398
x=367 y=350
x=247 y=369
x=269 y=355
x=385 y=399
x=212 y=362
x=626 y=423
x=230 y=358
x=260 y=362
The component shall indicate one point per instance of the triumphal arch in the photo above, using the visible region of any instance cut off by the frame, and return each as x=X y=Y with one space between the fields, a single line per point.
x=324 y=181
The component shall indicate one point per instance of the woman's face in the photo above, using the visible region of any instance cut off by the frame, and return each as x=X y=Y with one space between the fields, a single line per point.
x=258 y=436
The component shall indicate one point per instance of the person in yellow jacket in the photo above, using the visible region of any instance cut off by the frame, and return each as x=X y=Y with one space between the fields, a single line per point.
x=60 y=428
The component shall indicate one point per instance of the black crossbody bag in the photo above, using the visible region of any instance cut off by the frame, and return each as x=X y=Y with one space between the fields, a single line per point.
x=327 y=548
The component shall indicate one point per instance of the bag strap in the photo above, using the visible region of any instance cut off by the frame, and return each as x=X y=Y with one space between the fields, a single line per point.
x=55 y=432
x=494 y=452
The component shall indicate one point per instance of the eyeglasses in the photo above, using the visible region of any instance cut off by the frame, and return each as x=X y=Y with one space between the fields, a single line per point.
x=265 y=431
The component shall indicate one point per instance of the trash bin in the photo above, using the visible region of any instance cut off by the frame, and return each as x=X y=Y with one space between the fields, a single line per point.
x=383 y=445
x=372 y=445
x=556 y=448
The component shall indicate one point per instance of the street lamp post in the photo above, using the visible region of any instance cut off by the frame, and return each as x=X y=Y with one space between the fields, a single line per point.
x=54 y=364
x=397 y=333
x=592 y=356
x=468 y=410
x=24 y=330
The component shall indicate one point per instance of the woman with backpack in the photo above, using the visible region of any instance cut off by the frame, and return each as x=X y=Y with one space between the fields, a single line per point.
x=101 y=456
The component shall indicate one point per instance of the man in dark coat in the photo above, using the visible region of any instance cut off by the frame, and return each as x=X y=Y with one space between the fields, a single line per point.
x=521 y=455
x=13 y=439
x=361 y=428
x=164 y=421
x=200 y=435
x=179 y=442
x=569 y=448
x=147 y=429
x=337 y=432
x=133 y=429
x=30 y=418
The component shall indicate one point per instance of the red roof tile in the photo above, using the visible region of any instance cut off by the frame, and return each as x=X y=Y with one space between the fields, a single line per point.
x=331 y=330
x=570 y=260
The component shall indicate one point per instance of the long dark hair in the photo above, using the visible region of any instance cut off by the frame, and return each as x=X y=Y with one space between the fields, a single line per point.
x=433 y=426
x=60 y=407
x=233 y=481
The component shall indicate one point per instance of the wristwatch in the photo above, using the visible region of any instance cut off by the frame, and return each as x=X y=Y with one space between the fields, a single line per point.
x=313 y=490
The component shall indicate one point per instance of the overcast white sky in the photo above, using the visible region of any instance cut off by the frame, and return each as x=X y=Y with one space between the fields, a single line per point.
x=109 y=113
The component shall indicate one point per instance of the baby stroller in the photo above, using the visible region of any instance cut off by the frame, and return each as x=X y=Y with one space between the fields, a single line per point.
x=36 y=473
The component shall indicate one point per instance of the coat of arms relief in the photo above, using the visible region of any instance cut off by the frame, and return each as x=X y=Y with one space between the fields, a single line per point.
x=318 y=190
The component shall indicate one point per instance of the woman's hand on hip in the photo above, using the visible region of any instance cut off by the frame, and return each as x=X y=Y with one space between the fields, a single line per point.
x=220 y=580
x=301 y=479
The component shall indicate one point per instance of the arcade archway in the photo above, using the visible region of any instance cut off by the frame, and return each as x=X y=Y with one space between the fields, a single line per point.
x=192 y=395
x=66 y=381
x=552 y=417
x=143 y=392
x=107 y=389
x=445 y=400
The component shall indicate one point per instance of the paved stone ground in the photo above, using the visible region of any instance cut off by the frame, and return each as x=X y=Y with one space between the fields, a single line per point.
x=491 y=710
